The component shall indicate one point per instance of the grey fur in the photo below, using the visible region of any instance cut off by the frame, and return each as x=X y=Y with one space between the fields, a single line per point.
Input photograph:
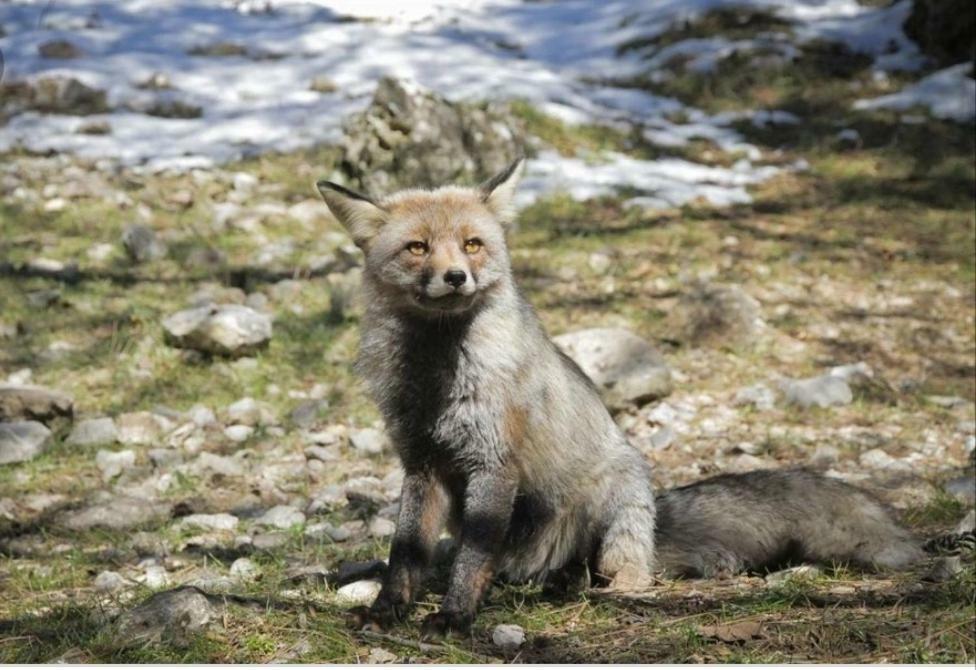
x=505 y=440
x=768 y=518
x=483 y=406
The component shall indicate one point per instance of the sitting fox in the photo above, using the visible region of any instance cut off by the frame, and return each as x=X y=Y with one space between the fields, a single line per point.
x=506 y=442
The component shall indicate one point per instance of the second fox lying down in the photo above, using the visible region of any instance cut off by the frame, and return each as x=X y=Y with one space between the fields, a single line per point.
x=505 y=442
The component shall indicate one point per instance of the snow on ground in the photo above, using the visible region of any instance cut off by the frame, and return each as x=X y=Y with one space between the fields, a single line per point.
x=948 y=94
x=554 y=54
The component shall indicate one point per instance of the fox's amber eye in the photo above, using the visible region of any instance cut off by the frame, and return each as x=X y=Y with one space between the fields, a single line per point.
x=417 y=248
x=472 y=246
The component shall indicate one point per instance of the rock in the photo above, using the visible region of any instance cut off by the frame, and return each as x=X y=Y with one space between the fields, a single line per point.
x=142 y=244
x=231 y=330
x=202 y=416
x=22 y=441
x=165 y=105
x=759 y=396
x=944 y=569
x=219 y=49
x=270 y=541
x=23 y=402
x=624 y=366
x=717 y=313
x=322 y=454
x=245 y=570
x=962 y=489
x=238 y=433
x=322 y=84
x=113 y=463
x=155 y=577
x=118 y=513
x=109 y=582
x=824 y=456
x=600 y=263
x=508 y=637
x=281 y=516
x=170 y=614
x=380 y=656
x=93 y=432
x=879 y=459
x=141 y=428
x=219 y=465
x=221 y=521
x=412 y=138
x=380 y=528
x=57 y=94
x=823 y=391
x=781 y=577
x=308 y=413
x=368 y=441
x=249 y=412
x=663 y=437
x=165 y=458
x=362 y=592
x=59 y=49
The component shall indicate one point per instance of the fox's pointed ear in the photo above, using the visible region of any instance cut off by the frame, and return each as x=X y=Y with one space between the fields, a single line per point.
x=359 y=214
x=499 y=191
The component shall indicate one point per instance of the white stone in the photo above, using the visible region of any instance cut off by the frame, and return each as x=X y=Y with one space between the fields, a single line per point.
x=281 y=516
x=380 y=527
x=109 y=582
x=113 y=463
x=238 y=433
x=245 y=570
x=363 y=592
x=220 y=329
x=367 y=441
x=508 y=636
x=221 y=521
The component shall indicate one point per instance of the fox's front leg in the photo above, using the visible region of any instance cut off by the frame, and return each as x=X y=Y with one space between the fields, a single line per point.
x=488 y=502
x=423 y=509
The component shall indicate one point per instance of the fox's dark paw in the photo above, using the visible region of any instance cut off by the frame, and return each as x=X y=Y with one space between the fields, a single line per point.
x=377 y=618
x=441 y=624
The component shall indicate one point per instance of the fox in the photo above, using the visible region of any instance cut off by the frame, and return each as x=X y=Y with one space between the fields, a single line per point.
x=506 y=443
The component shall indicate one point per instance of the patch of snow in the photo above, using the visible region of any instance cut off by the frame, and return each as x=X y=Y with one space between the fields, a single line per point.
x=948 y=94
x=558 y=56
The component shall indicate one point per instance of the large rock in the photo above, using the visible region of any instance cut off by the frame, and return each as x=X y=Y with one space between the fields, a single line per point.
x=822 y=391
x=22 y=441
x=717 y=313
x=171 y=614
x=626 y=367
x=64 y=95
x=142 y=244
x=229 y=330
x=93 y=431
x=410 y=138
x=118 y=513
x=19 y=402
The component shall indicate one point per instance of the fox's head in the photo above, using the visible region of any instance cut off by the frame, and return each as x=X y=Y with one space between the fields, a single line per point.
x=438 y=251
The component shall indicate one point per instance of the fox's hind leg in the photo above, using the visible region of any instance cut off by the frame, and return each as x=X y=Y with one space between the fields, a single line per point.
x=628 y=542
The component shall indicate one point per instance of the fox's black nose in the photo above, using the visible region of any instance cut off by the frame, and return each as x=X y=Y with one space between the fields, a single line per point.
x=455 y=277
